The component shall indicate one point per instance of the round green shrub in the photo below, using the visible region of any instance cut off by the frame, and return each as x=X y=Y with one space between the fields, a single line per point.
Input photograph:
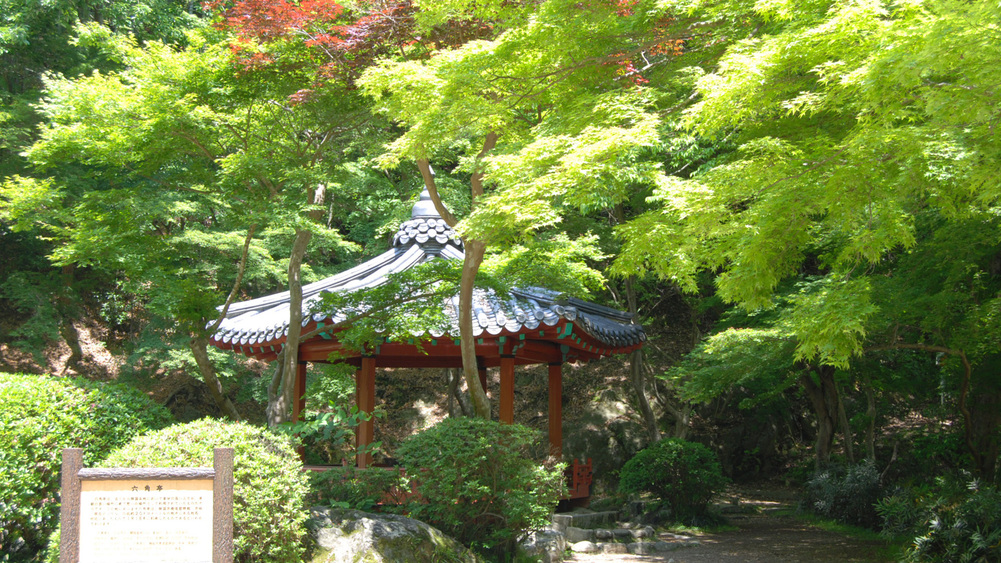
x=477 y=482
x=41 y=415
x=269 y=485
x=846 y=493
x=683 y=474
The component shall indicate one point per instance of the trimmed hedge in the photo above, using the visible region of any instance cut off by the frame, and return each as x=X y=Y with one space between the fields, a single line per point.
x=41 y=415
x=269 y=485
x=477 y=482
x=686 y=475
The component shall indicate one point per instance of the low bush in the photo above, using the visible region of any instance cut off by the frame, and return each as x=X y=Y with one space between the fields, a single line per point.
x=41 y=415
x=350 y=487
x=269 y=485
x=685 y=475
x=329 y=437
x=847 y=494
x=956 y=519
x=478 y=483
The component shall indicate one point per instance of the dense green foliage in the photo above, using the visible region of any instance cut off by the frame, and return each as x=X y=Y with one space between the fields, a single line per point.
x=953 y=519
x=685 y=475
x=329 y=436
x=821 y=176
x=269 y=486
x=847 y=494
x=478 y=483
x=39 y=416
x=360 y=489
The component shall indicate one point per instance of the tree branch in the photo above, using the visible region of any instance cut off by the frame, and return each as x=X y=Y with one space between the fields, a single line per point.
x=964 y=388
x=236 y=284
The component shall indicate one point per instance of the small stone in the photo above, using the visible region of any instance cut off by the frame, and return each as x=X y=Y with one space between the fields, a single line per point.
x=614 y=548
x=575 y=534
x=603 y=534
x=641 y=548
x=584 y=547
x=639 y=533
x=664 y=546
x=622 y=533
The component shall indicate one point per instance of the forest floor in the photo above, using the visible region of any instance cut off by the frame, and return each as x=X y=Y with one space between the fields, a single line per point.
x=767 y=531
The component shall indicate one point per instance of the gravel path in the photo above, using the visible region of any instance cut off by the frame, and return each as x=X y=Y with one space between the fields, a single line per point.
x=765 y=537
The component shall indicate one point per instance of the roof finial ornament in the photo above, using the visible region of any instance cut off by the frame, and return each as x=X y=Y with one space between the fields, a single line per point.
x=426 y=227
x=425 y=207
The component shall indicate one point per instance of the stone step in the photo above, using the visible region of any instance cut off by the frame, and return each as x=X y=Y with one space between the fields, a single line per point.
x=575 y=534
x=585 y=520
x=636 y=548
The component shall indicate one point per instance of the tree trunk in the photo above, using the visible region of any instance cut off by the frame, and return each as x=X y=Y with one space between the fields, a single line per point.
x=281 y=393
x=680 y=412
x=682 y=415
x=984 y=405
x=638 y=378
x=846 y=427
x=65 y=306
x=199 y=349
x=200 y=337
x=870 y=414
x=474 y=252
x=72 y=338
x=280 y=406
x=458 y=403
x=823 y=397
x=973 y=425
x=638 y=373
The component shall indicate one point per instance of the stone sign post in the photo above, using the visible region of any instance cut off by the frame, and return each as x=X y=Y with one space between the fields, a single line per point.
x=147 y=515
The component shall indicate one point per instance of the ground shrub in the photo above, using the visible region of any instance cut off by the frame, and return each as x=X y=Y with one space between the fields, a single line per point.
x=478 y=483
x=41 y=415
x=955 y=519
x=685 y=475
x=350 y=487
x=269 y=485
x=847 y=494
x=329 y=437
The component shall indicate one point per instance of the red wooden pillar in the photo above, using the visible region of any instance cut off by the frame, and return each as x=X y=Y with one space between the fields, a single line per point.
x=507 y=389
x=299 y=401
x=556 y=410
x=365 y=401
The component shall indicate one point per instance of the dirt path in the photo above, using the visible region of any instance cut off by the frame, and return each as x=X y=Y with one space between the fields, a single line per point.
x=762 y=537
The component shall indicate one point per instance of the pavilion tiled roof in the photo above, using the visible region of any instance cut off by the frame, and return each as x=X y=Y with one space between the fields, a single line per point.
x=263 y=322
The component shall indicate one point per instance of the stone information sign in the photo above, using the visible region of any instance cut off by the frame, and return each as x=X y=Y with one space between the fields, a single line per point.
x=158 y=515
x=171 y=520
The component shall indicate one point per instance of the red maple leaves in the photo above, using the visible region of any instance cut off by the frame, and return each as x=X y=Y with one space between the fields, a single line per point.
x=341 y=42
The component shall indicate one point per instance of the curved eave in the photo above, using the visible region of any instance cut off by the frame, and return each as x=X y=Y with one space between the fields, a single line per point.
x=536 y=321
x=563 y=341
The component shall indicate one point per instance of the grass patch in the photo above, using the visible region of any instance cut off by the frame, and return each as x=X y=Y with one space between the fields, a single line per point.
x=891 y=549
x=683 y=530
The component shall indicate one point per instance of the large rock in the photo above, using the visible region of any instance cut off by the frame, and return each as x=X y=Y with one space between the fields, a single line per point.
x=347 y=536
x=542 y=546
